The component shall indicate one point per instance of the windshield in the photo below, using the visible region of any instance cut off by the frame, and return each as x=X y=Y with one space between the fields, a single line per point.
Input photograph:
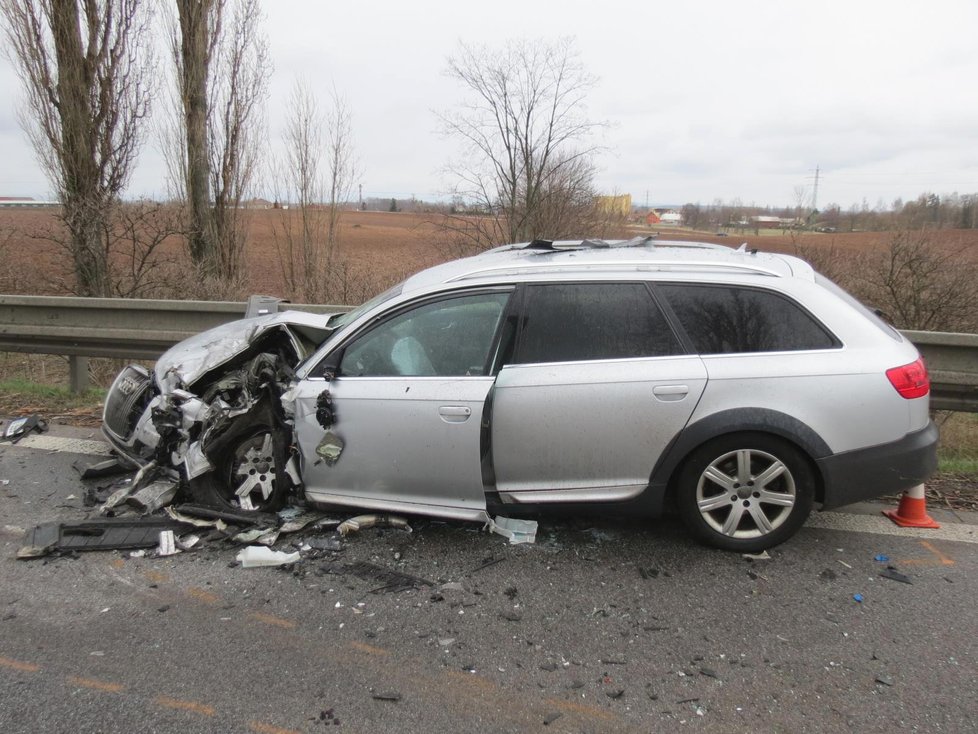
x=339 y=320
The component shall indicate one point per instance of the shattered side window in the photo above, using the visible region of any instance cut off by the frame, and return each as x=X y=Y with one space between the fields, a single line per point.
x=566 y=322
x=448 y=338
x=730 y=320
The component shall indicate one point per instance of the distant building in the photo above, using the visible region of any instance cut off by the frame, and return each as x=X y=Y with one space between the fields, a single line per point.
x=24 y=201
x=620 y=205
x=664 y=216
x=766 y=222
x=257 y=204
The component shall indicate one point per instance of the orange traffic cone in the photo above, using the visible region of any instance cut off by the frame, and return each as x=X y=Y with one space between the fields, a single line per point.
x=912 y=510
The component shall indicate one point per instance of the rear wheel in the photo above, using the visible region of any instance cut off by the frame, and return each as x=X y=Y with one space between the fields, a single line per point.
x=745 y=492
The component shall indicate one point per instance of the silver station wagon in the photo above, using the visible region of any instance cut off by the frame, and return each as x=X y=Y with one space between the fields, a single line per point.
x=735 y=387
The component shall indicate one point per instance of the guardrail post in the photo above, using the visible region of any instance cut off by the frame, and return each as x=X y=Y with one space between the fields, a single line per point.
x=78 y=374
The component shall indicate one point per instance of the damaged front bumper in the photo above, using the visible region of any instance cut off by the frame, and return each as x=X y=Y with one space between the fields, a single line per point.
x=212 y=406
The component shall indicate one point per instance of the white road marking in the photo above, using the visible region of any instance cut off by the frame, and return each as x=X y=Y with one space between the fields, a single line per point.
x=884 y=526
x=43 y=442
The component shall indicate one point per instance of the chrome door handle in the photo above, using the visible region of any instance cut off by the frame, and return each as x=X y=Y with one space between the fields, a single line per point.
x=454 y=413
x=670 y=392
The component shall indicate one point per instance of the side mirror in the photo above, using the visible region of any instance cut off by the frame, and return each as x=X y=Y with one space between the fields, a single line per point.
x=329 y=367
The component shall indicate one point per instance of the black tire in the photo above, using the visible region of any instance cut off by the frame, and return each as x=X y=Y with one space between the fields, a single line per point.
x=249 y=462
x=727 y=499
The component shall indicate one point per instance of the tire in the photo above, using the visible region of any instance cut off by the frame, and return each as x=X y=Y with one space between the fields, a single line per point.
x=745 y=492
x=246 y=476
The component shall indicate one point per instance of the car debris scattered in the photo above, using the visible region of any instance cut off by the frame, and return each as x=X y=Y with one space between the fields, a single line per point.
x=518 y=531
x=394 y=581
x=256 y=556
x=100 y=469
x=106 y=534
x=355 y=524
x=894 y=575
x=20 y=427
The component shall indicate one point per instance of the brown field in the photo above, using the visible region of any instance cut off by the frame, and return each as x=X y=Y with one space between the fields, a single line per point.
x=381 y=247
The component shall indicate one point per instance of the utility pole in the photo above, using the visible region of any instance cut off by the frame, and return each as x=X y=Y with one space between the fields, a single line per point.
x=815 y=190
x=360 y=199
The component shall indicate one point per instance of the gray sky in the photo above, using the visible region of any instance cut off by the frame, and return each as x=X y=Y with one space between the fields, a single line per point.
x=706 y=99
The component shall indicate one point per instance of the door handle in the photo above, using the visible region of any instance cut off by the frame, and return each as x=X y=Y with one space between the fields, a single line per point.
x=668 y=393
x=454 y=413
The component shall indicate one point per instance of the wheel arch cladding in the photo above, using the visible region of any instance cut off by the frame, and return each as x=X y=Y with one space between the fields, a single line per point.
x=741 y=420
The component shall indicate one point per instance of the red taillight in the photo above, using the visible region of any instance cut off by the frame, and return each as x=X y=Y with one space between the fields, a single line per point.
x=910 y=380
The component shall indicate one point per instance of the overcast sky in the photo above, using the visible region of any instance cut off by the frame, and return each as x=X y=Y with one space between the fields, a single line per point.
x=705 y=99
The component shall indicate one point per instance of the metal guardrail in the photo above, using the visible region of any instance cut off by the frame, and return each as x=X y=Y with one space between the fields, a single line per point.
x=952 y=361
x=144 y=329
x=124 y=328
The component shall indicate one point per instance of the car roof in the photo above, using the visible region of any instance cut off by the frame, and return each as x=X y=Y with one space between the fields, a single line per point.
x=608 y=257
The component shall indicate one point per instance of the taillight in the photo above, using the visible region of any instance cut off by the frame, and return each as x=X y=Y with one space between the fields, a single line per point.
x=910 y=380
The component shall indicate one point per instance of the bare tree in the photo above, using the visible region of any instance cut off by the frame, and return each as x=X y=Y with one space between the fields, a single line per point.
x=343 y=167
x=300 y=233
x=222 y=69
x=527 y=137
x=919 y=284
x=84 y=66
x=314 y=181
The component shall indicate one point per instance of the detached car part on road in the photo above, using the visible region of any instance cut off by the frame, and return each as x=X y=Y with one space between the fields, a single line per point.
x=591 y=375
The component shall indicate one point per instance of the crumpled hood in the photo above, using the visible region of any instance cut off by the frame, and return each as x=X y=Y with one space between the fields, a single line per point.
x=199 y=354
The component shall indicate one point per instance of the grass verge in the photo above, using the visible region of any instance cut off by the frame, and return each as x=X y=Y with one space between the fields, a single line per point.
x=19 y=396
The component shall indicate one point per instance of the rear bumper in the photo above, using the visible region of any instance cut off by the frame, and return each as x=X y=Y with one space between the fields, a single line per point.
x=886 y=469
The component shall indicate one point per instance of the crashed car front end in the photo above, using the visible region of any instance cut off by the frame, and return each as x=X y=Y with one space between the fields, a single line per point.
x=210 y=415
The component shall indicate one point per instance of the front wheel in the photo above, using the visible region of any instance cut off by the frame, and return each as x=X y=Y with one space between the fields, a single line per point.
x=745 y=492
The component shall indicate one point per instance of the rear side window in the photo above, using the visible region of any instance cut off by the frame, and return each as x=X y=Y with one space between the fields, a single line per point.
x=566 y=322
x=729 y=320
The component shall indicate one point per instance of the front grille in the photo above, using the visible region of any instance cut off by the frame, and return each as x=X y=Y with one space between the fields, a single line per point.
x=126 y=401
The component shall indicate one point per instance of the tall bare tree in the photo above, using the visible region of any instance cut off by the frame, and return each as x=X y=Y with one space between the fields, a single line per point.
x=300 y=233
x=222 y=69
x=342 y=164
x=528 y=139
x=84 y=67
x=314 y=178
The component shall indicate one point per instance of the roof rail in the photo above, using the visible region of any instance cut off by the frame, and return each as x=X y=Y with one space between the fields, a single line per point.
x=588 y=244
x=635 y=265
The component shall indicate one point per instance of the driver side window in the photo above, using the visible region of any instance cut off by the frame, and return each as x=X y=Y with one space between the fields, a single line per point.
x=448 y=338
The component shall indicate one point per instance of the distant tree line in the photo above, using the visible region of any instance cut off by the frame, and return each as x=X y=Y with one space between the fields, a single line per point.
x=927 y=211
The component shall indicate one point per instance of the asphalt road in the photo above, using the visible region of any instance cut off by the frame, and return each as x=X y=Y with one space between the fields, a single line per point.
x=601 y=626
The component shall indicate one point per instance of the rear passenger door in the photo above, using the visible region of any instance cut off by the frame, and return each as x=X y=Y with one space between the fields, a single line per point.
x=597 y=386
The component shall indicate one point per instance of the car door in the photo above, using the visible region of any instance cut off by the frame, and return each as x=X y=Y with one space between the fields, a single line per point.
x=407 y=397
x=598 y=386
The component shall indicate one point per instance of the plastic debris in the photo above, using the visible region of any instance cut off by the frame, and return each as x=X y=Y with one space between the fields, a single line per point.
x=264 y=536
x=256 y=556
x=858 y=598
x=518 y=531
x=385 y=696
x=99 y=469
x=20 y=427
x=168 y=544
x=110 y=534
x=153 y=496
x=762 y=556
x=360 y=522
x=891 y=573
x=325 y=544
x=880 y=558
x=186 y=542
